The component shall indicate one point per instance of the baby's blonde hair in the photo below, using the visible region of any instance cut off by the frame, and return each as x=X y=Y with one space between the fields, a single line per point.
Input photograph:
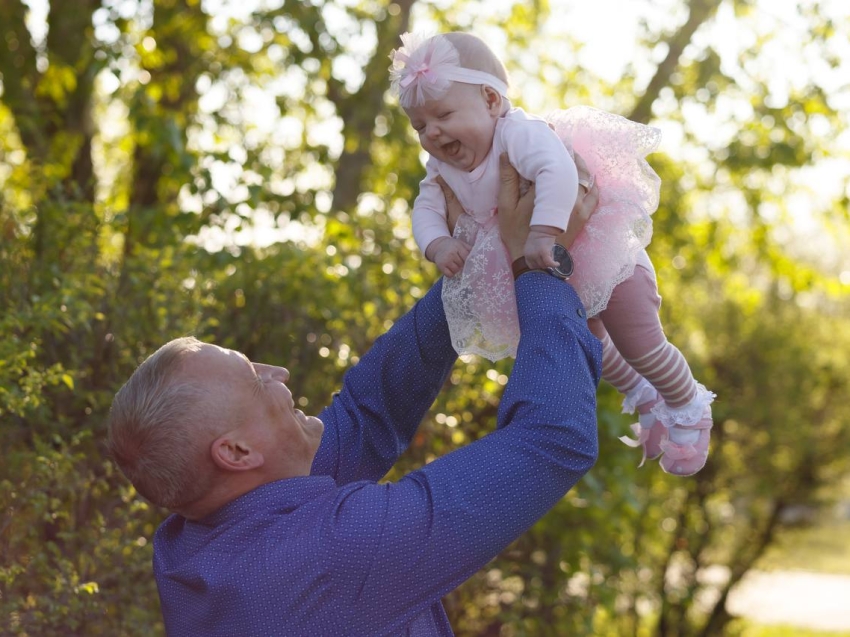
x=473 y=53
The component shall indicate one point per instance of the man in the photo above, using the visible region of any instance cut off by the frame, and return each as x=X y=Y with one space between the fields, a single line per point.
x=279 y=525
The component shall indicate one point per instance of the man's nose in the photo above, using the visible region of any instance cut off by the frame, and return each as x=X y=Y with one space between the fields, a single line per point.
x=272 y=372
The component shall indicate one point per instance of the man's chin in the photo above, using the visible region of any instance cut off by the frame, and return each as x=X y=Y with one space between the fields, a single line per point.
x=314 y=425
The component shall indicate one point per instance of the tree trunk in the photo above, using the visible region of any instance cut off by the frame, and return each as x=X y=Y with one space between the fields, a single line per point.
x=42 y=113
x=20 y=78
x=747 y=555
x=700 y=12
x=358 y=110
x=73 y=48
x=159 y=158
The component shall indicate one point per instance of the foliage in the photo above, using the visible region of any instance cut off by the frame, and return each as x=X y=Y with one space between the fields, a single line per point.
x=134 y=173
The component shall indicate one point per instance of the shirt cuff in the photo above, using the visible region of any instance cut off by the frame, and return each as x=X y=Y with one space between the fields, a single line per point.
x=540 y=295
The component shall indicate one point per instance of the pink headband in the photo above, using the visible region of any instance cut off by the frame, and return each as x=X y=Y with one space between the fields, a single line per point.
x=424 y=68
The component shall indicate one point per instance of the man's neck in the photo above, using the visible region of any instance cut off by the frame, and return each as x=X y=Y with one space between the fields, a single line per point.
x=225 y=492
x=234 y=485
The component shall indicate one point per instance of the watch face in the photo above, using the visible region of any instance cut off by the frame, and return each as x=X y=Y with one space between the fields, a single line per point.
x=564 y=269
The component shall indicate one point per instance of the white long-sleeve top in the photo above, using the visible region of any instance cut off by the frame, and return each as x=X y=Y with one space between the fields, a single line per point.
x=536 y=153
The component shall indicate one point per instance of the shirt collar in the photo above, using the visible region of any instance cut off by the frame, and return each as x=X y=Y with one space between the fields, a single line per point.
x=280 y=496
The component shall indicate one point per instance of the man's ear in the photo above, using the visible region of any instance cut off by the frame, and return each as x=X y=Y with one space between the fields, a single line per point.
x=232 y=452
x=492 y=99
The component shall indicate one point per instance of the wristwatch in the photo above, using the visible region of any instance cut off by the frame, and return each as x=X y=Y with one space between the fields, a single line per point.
x=563 y=270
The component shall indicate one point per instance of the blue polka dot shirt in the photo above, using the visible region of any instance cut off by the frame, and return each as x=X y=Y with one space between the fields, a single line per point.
x=337 y=554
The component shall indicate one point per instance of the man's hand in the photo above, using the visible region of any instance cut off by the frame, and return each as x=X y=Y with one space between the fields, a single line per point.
x=454 y=209
x=515 y=211
x=588 y=199
x=448 y=253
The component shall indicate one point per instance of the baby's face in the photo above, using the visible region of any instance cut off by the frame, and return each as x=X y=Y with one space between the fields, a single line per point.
x=458 y=128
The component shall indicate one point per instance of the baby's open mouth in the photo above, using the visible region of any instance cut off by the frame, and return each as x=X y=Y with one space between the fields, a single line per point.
x=451 y=149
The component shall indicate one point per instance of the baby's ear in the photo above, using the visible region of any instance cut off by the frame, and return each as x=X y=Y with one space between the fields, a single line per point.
x=492 y=99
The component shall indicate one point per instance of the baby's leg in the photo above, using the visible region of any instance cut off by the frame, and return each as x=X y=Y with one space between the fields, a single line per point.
x=618 y=372
x=615 y=369
x=639 y=394
x=632 y=320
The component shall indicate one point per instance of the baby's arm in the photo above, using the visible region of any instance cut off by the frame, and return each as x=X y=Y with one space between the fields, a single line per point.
x=538 y=246
x=539 y=156
x=448 y=253
x=431 y=229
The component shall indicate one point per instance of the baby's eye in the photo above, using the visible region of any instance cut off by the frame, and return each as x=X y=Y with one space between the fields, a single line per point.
x=445 y=115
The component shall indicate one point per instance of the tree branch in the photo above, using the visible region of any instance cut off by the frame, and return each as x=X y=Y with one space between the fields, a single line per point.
x=700 y=12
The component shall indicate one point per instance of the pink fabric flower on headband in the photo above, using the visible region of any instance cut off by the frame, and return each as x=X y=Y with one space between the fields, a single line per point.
x=418 y=70
x=424 y=68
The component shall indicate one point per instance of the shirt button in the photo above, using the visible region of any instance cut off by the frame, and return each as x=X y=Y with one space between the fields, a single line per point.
x=580 y=312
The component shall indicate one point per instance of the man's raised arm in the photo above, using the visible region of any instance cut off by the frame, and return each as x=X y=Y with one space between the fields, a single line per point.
x=384 y=398
x=372 y=420
x=442 y=523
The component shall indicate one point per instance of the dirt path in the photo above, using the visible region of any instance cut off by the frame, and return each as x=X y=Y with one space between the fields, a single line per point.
x=796 y=598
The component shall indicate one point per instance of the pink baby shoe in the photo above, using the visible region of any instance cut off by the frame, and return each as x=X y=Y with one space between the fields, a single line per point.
x=685 y=448
x=650 y=433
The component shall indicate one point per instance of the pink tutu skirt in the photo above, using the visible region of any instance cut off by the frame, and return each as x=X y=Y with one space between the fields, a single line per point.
x=614 y=149
x=479 y=301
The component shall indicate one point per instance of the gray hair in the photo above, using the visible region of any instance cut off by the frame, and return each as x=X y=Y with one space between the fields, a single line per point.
x=153 y=433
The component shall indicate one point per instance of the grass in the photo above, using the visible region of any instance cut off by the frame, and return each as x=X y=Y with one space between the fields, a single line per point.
x=824 y=548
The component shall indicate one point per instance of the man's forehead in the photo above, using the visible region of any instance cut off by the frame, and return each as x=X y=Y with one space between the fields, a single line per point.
x=212 y=360
x=228 y=352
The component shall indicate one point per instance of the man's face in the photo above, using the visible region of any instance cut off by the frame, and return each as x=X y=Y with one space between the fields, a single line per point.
x=458 y=128
x=254 y=398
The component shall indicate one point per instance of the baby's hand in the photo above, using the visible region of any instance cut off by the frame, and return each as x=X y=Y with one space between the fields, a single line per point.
x=448 y=253
x=538 y=247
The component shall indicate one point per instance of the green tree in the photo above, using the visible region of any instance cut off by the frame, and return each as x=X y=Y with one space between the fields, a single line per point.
x=130 y=145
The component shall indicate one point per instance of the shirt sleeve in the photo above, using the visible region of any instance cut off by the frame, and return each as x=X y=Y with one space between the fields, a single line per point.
x=429 y=209
x=538 y=155
x=373 y=418
x=434 y=528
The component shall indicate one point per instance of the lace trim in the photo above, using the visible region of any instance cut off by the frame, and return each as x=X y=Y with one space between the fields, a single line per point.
x=479 y=302
x=686 y=416
x=642 y=393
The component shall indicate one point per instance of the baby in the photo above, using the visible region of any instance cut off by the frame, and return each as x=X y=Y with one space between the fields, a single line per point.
x=458 y=131
x=454 y=90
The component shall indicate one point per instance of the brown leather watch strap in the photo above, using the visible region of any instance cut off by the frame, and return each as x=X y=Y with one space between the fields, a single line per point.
x=520 y=266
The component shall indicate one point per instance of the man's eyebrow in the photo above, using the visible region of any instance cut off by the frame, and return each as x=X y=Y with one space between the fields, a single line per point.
x=251 y=365
x=247 y=360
